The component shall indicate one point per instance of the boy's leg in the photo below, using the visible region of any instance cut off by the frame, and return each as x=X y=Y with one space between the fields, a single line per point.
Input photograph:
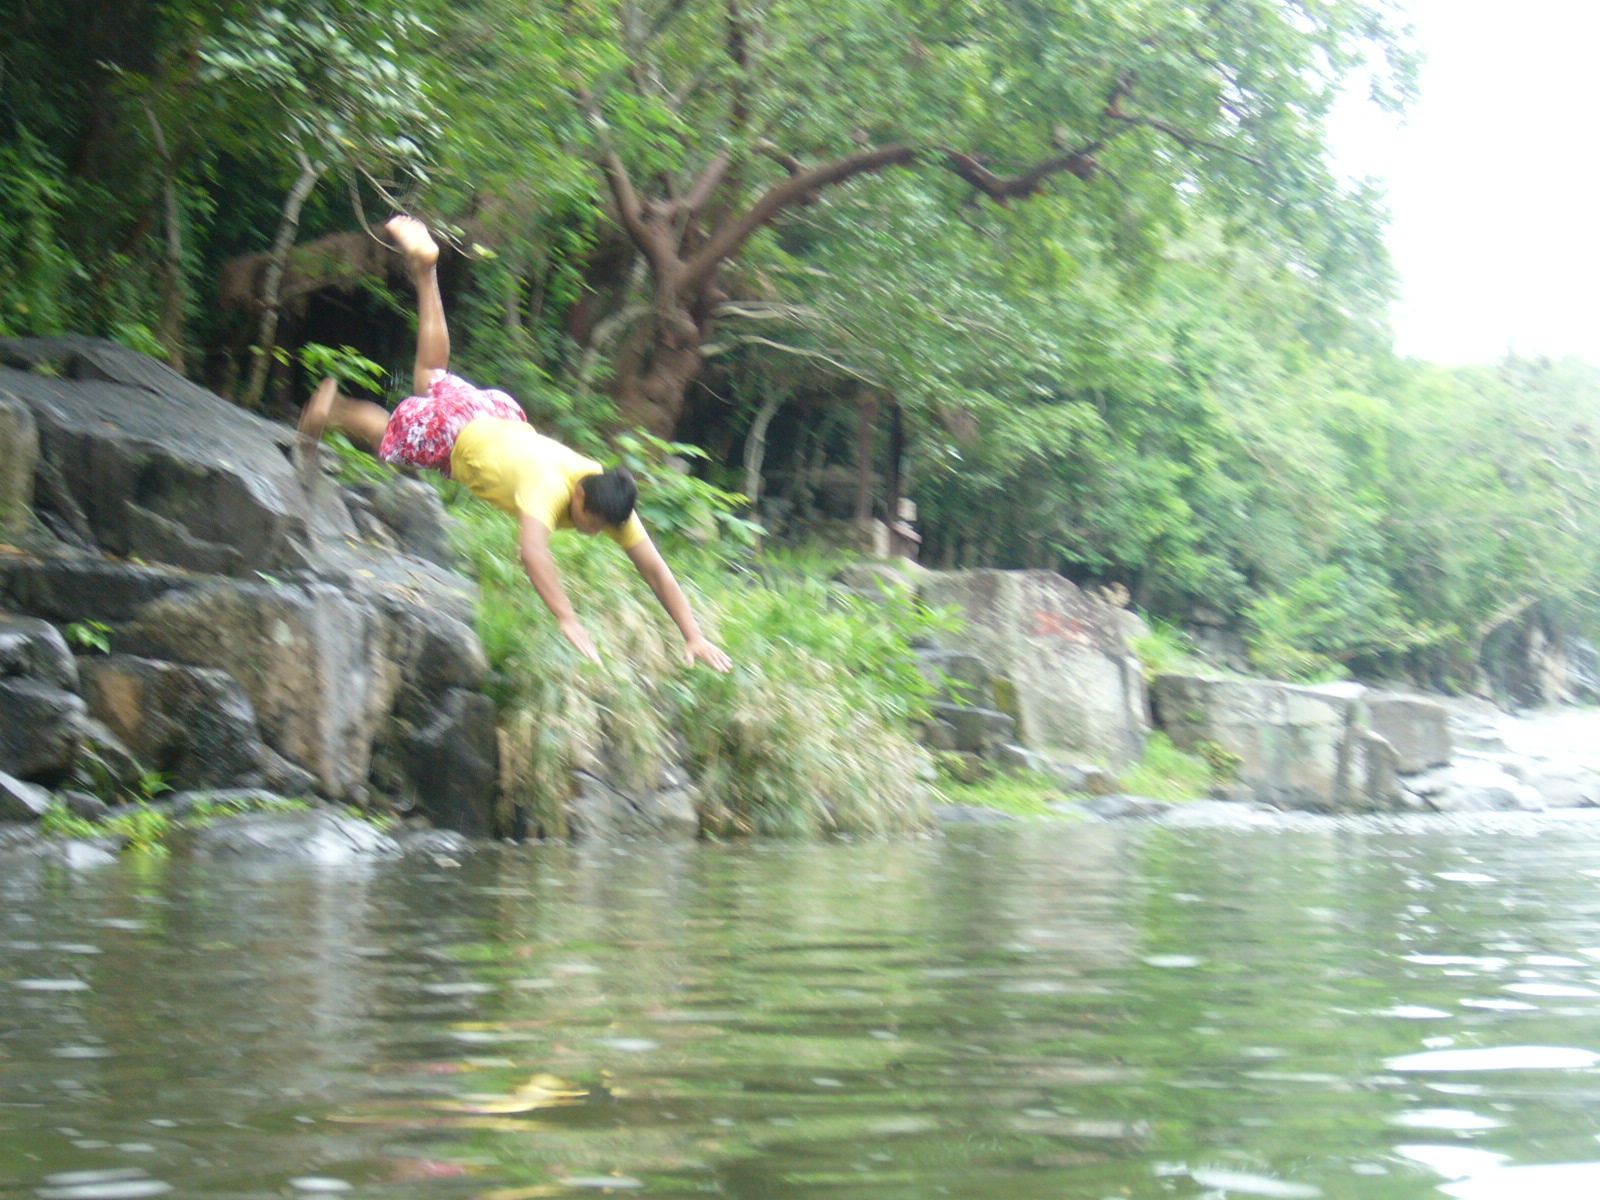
x=360 y=420
x=433 y=334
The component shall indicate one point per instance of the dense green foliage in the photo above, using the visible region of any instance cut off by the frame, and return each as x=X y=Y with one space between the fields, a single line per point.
x=1090 y=254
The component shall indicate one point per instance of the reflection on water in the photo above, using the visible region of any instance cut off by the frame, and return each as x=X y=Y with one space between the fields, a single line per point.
x=1062 y=1012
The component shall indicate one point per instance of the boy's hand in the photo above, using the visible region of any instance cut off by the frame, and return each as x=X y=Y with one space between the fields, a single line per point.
x=700 y=650
x=579 y=637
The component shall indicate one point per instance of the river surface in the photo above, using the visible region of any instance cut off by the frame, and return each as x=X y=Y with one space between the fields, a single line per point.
x=1380 y=1010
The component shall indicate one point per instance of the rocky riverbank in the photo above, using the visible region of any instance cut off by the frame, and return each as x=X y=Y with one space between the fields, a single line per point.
x=189 y=611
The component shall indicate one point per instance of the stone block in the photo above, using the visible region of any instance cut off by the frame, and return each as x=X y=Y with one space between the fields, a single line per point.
x=1295 y=747
x=1060 y=655
x=1418 y=728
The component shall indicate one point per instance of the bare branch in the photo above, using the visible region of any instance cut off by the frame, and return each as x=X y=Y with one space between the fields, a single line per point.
x=1080 y=163
x=748 y=311
x=700 y=194
x=750 y=339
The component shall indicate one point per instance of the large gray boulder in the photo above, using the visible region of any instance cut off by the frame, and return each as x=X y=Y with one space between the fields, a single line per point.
x=137 y=461
x=317 y=664
x=1291 y=746
x=193 y=724
x=41 y=730
x=1418 y=728
x=323 y=615
x=1059 y=657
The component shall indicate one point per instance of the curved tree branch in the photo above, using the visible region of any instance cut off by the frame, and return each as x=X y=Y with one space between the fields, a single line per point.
x=731 y=237
x=1000 y=188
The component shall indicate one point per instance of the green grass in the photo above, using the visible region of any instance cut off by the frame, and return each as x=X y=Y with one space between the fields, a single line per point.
x=1022 y=794
x=1168 y=773
x=143 y=829
x=1164 y=773
x=809 y=733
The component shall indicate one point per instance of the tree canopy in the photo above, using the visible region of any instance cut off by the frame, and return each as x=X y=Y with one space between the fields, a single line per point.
x=1085 y=261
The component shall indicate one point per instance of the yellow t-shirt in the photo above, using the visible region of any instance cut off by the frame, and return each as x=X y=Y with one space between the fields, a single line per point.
x=520 y=471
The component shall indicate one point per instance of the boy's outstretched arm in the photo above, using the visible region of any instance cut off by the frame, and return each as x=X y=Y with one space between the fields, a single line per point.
x=659 y=576
x=533 y=544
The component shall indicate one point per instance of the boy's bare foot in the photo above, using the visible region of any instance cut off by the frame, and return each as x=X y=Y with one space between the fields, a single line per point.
x=414 y=240
x=314 y=416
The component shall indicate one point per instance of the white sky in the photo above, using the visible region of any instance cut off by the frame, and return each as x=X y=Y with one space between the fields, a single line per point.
x=1492 y=181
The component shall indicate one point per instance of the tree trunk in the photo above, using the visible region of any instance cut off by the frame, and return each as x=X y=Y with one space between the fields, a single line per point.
x=272 y=279
x=755 y=447
x=652 y=398
x=174 y=294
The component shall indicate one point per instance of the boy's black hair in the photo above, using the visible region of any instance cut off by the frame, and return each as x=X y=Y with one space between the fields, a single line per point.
x=611 y=495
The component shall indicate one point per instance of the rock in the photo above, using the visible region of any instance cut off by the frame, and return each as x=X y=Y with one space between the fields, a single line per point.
x=1374 y=777
x=414 y=514
x=440 y=843
x=960 y=677
x=36 y=649
x=26 y=846
x=938 y=735
x=454 y=763
x=1483 y=799
x=1564 y=784
x=964 y=766
x=233 y=800
x=976 y=730
x=19 y=455
x=83 y=805
x=1062 y=654
x=1472 y=783
x=146 y=464
x=317 y=665
x=971 y=814
x=20 y=800
x=320 y=837
x=104 y=765
x=601 y=810
x=1116 y=807
x=136 y=461
x=1293 y=747
x=1072 y=777
x=193 y=724
x=40 y=730
x=1418 y=728
x=77 y=587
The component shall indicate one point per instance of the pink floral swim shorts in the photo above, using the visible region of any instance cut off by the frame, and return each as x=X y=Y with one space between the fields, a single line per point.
x=423 y=429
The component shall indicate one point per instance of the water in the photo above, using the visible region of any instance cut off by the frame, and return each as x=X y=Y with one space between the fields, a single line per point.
x=1040 y=1011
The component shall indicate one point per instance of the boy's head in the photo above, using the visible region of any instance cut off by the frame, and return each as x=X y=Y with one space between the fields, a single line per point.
x=605 y=500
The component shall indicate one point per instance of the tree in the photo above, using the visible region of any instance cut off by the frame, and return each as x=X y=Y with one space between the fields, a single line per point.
x=312 y=86
x=716 y=122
